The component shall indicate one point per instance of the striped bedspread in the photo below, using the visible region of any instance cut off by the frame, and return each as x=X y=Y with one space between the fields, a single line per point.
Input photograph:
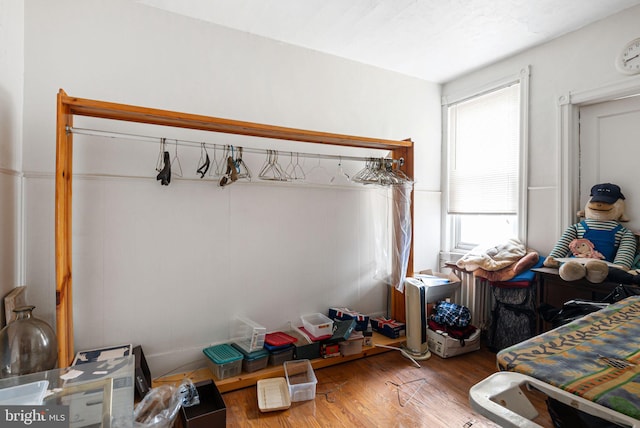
x=596 y=357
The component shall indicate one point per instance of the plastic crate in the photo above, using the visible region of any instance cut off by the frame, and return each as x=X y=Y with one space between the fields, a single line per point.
x=301 y=380
x=224 y=360
x=248 y=334
x=353 y=345
x=279 y=338
x=317 y=324
x=253 y=361
x=280 y=356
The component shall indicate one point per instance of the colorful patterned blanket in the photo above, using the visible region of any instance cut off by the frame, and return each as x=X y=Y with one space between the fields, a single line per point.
x=596 y=357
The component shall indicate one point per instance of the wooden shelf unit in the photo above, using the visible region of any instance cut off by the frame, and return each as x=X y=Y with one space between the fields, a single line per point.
x=249 y=379
x=68 y=107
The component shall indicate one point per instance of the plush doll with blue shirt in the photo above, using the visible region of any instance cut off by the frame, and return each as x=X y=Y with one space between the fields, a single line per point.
x=601 y=226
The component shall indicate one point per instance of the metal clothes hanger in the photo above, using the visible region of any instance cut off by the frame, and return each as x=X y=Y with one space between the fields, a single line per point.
x=272 y=169
x=241 y=167
x=204 y=161
x=340 y=177
x=293 y=170
x=160 y=162
x=176 y=161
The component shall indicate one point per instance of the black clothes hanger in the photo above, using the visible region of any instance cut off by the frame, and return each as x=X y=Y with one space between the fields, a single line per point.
x=165 y=174
x=204 y=166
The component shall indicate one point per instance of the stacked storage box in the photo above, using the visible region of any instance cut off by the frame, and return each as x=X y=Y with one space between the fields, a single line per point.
x=388 y=327
x=280 y=346
x=304 y=347
x=342 y=314
x=253 y=361
x=318 y=325
x=224 y=360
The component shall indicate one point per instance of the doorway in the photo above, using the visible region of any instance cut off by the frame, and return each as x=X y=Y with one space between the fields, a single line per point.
x=609 y=151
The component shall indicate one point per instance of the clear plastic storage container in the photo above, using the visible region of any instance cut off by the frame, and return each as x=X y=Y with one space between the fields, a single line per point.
x=248 y=334
x=353 y=345
x=301 y=380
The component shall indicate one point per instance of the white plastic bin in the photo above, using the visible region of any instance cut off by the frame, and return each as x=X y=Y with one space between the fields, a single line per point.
x=318 y=324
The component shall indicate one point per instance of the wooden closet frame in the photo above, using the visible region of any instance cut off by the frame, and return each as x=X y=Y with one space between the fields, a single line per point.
x=68 y=107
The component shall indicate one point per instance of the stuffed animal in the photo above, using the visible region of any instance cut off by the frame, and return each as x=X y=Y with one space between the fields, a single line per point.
x=601 y=225
x=584 y=248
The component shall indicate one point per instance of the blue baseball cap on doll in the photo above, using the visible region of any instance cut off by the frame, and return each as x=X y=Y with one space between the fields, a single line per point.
x=606 y=192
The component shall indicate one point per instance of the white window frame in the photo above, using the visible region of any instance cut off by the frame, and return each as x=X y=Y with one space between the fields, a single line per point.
x=450 y=229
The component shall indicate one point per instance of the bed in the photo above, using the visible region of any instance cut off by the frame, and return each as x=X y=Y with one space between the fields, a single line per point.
x=592 y=364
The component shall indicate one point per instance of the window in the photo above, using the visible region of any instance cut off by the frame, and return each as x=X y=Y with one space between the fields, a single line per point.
x=486 y=166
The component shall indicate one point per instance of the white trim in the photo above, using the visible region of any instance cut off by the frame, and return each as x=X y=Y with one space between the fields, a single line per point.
x=12 y=172
x=448 y=100
x=523 y=176
x=522 y=77
x=608 y=92
x=21 y=251
x=19 y=233
x=569 y=105
x=446 y=225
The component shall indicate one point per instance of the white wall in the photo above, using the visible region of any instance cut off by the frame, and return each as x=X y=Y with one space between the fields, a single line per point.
x=167 y=267
x=11 y=86
x=580 y=61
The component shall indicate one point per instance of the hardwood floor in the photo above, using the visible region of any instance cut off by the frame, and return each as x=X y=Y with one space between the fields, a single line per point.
x=384 y=390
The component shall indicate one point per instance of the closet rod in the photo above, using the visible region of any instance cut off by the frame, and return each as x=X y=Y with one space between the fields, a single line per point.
x=197 y=144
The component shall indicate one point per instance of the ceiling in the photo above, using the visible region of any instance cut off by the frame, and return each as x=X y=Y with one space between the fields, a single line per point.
x=435 y=40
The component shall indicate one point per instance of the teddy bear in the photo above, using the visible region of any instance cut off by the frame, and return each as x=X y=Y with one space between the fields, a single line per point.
x=602 y=214
x=584 y=248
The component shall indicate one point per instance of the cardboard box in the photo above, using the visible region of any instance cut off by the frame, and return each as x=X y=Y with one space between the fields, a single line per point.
x=210 y=413
x=445 y=346
x=343 y=314
x=388 y=327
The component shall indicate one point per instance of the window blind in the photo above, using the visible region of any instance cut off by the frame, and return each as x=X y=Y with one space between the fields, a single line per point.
x=484 y=138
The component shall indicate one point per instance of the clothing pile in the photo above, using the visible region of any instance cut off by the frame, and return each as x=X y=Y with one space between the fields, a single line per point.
x=500 y=262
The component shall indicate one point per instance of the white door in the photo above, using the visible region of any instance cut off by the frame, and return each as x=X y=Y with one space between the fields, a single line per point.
x=610 y=151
